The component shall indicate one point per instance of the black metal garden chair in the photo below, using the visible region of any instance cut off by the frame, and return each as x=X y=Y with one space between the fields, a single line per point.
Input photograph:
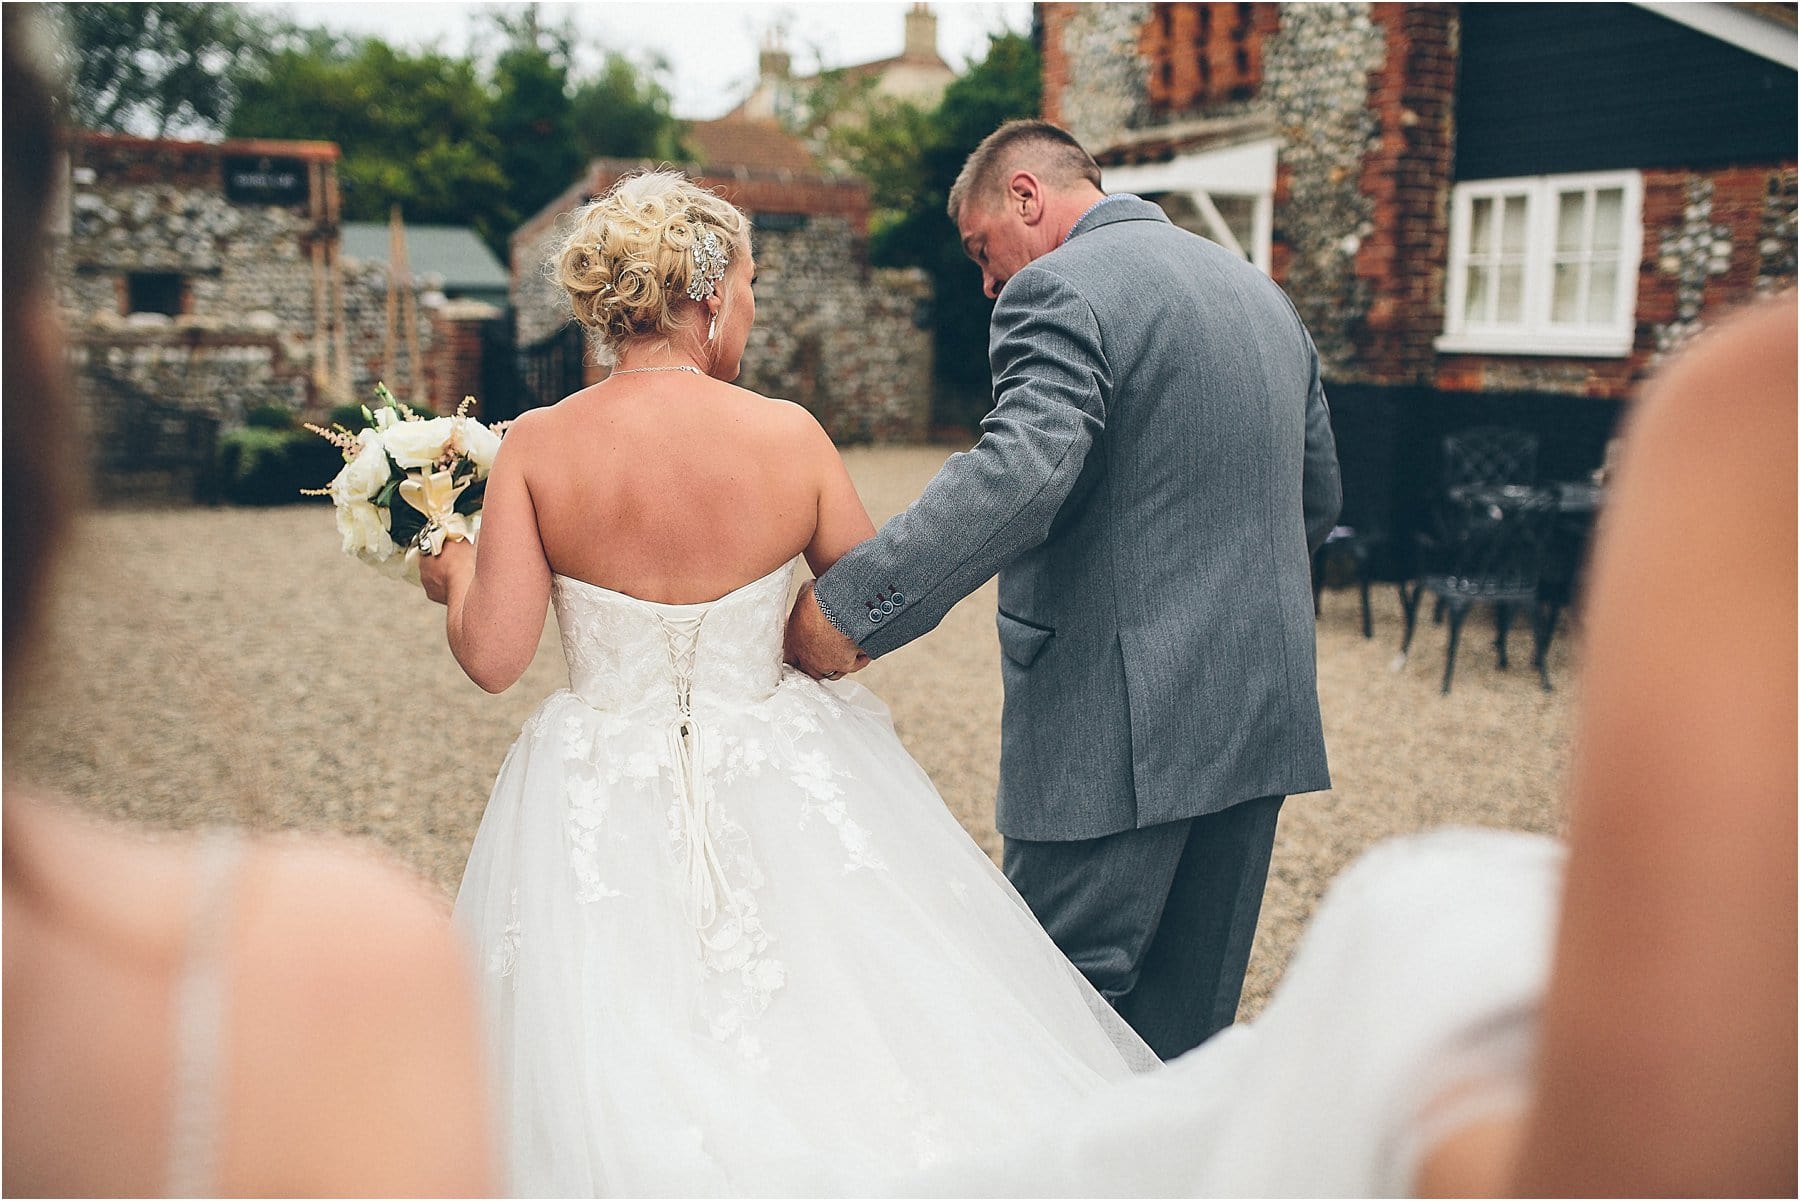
x=1490 y=547
x=1489 y=454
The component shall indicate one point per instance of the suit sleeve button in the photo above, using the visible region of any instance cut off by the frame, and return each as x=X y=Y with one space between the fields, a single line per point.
x=875 y=615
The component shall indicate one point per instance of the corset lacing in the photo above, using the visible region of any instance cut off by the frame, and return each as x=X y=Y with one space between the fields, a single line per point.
x=707 y=889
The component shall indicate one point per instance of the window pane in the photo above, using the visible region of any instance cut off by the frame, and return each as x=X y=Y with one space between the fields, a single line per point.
x=1512 y=240
x=1479 y=306
x=1603 y=292
x=1481 y=219
x=1565 y=295
x=1511 y=309
x=1609 y=218
x=1571 y=215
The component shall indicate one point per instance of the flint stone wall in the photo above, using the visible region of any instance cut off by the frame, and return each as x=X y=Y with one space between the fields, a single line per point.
x=848 y=342
x=246 y=335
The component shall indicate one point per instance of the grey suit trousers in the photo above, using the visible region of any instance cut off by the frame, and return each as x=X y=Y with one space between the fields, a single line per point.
x=1161 y=919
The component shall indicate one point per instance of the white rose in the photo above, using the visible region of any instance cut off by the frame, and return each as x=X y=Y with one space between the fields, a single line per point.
x=365 y=531
x=479 y=442
x=385 y=416
x=364 y=475
x=418 y=443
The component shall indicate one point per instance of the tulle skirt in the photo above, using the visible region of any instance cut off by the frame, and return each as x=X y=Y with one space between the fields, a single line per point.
x=754 y=954
x=1410 y=1006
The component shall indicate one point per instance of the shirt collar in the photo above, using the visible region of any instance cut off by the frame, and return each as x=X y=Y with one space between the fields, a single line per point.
x=1090 y=209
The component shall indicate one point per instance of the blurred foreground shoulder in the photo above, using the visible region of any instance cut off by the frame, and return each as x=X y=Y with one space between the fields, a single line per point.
x=357 y=997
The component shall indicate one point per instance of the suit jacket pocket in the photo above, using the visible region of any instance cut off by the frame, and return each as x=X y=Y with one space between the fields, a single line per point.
x=1020 y=640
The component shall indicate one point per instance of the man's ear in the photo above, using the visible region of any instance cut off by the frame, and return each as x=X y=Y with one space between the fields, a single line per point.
x=1025 y=197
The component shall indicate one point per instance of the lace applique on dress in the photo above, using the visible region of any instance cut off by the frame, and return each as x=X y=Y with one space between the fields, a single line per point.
x=505 y=955
x=818 y=780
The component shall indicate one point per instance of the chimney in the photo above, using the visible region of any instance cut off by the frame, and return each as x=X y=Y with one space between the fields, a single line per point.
x=773 y=62
x=921 y=33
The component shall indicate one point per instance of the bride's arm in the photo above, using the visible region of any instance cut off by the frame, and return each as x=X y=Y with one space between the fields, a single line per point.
x=1667 y=1063
x=842 y=520
x=497 y=593
x=840 y=524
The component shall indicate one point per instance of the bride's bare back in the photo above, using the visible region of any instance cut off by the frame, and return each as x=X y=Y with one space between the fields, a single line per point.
x=668 y=487
x=674 y=488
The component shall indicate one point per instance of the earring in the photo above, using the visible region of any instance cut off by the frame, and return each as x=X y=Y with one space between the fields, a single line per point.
x=712 y=328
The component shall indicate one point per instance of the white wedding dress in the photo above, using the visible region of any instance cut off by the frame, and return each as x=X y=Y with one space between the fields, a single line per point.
x=732 y=942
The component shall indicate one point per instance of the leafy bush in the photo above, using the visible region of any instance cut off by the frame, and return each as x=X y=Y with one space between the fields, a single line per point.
x=349 y=416
x=260 y=466
x=271 y=417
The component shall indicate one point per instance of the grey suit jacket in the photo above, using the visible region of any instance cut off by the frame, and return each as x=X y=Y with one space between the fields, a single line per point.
x=1156 y=470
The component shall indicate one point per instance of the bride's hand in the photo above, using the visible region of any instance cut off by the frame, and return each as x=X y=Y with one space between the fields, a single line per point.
x=455 y=562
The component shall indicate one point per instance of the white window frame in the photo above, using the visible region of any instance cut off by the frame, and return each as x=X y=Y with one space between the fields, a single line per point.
x=1246 y=169
x=1536 y=334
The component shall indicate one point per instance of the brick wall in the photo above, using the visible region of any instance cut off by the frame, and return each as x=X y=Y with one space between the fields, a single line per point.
x=455 y=364
x=1406 y=175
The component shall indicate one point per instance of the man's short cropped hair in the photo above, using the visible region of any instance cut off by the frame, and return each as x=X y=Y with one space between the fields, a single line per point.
x=1048 y=151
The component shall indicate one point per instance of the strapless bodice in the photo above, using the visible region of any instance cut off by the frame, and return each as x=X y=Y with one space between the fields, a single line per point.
x=627 y=654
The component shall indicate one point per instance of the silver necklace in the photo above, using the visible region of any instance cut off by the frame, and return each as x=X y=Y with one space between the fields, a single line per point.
x=676 y=367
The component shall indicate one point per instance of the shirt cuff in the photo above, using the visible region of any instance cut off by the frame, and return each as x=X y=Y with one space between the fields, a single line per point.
x=841 y=628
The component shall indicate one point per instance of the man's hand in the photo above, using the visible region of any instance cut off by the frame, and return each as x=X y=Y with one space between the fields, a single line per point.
x=436 y=572
x=817 y=647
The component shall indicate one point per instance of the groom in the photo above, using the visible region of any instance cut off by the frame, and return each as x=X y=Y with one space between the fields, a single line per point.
x=1156 y=470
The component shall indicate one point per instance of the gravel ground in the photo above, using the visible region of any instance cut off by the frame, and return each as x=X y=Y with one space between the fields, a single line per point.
x=229 y=665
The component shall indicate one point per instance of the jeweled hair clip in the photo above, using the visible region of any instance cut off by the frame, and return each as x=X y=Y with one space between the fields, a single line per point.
x=709 y=266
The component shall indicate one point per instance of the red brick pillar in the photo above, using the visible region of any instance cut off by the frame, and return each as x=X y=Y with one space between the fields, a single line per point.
x=1407 y=176
x=453 y=369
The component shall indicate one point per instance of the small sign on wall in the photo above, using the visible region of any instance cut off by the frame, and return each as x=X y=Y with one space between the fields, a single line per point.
x=259 y=179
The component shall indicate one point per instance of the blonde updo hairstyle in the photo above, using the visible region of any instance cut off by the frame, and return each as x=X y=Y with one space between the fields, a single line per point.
x=628 y=259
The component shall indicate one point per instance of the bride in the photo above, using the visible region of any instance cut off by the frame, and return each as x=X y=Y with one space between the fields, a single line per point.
x=731 y=941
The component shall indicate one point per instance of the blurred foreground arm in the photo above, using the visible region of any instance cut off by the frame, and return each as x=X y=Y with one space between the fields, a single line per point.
x=1668 y=1046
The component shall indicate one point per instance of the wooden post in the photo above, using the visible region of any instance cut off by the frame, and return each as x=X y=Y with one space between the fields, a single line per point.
x=410 y=307
x=390 y=349
x=321 y=367
x=340 y=344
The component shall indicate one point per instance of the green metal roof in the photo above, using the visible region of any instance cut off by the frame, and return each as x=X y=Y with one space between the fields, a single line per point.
x=452 y=252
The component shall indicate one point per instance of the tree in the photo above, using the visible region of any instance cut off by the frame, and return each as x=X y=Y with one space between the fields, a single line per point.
x=160 y=69
x=624 y=112
x=911 y=159
x=533 y=119
x=413 y=128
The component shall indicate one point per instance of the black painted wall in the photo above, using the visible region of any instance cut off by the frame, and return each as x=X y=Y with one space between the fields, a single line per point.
x=1547 y=89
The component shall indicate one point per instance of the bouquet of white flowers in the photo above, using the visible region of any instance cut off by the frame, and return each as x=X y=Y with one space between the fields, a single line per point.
x=436 y=466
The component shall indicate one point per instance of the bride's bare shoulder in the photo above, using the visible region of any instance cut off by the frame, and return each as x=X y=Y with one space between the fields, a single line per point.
x=785 y=419
x=354 y=986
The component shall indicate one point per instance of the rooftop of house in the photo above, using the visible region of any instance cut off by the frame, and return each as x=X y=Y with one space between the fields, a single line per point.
x=753 y=145
x=451 y=252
